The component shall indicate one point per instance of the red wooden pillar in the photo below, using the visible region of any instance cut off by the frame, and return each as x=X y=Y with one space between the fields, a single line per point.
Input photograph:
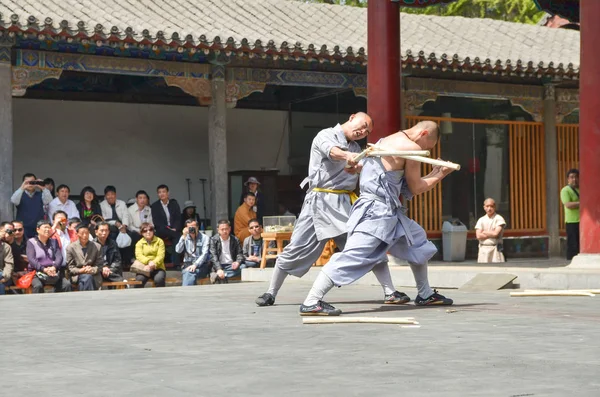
x=589 y=131
x=383 y=68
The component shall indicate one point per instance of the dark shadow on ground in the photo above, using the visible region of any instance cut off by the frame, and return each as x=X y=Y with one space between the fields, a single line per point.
x=399 y=308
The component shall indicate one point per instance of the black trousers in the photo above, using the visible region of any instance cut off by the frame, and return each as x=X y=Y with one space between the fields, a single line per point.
x=572 y=240
x=159 y=276
x=61 y=285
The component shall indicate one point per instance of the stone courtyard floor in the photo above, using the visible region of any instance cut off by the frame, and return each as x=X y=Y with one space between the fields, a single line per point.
x=213 y=341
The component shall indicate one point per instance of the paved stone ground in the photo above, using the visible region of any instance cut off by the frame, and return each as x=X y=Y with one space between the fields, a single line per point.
x=213 y=341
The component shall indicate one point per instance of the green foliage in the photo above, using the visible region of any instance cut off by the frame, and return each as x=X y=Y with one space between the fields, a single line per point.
x=523 y=11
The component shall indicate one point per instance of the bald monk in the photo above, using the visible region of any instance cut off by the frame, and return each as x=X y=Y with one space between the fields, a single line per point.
x=488 y=230
x=378 y=223
x=327 y=206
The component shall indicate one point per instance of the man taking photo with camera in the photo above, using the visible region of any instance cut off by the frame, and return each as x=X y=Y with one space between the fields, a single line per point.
x=194 y=245
x=30 y=200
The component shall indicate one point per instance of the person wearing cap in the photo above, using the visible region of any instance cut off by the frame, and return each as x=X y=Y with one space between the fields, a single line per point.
x=252 y=185
x=189 y=212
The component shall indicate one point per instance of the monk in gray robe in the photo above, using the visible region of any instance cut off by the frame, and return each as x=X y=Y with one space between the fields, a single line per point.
x=378 y=224
x=331 y=184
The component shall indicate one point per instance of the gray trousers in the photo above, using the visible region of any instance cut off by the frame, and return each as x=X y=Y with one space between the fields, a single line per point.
x=364 y=251
x=304 y=248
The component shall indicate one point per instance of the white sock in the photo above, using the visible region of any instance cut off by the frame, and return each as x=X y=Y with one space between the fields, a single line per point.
x=276 y=281
x=420 y=273
x=321 y=286
x=382 y=273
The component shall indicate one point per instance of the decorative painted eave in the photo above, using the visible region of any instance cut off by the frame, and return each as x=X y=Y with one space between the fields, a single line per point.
x=428 y=32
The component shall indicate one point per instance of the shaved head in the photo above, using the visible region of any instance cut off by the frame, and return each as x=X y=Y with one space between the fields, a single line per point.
x=489 y=201
x=431 y=127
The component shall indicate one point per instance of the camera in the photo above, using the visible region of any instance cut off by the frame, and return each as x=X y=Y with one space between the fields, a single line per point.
x=192 y=230
x=38 y=183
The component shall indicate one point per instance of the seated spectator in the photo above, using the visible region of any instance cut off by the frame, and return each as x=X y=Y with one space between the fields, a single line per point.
x=253 y=245
x=62 y=203
x=21 y=243
x=114 y=212
x=45 y=257
x=60 y=233
x=72 y=229
x=283 y=210
x=243 y=215
x=6 y=262
x=189 y=212
x=489 y=230
x=194 y=245
x=150 y=253
x=252 y=186
x=226 y=254
x=30 y=205
x=166 y=216
x=49 y=184
x=139 y=213
x=85 y=261
x=88 y=206
x=112 y=269
x=20 y=266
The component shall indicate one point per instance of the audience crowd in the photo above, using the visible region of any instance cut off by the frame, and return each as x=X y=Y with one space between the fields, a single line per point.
x=55 y=242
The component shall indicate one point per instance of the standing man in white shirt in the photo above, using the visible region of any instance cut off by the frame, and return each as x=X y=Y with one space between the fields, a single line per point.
x=62 y=203
x=489 y=230
x=166 y=215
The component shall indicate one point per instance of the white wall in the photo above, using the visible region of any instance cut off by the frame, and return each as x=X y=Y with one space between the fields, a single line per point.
x=138 y=146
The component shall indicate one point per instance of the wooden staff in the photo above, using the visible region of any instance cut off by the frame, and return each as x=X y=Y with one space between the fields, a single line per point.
x=346 y=320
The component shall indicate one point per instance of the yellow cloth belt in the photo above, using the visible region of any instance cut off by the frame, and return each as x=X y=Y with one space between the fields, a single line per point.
x=353 y=196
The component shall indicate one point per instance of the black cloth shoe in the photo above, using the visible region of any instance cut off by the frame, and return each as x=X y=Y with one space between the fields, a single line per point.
x=435 y=299
x=320 y=309
x=397 y=298
x=265 y=299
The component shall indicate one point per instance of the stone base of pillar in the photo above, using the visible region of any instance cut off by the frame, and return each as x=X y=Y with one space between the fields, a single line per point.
x=585 y=261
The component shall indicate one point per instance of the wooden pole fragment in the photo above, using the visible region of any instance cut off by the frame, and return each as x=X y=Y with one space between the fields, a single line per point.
x=591 y=291
x=348 y=320
x=552 y=293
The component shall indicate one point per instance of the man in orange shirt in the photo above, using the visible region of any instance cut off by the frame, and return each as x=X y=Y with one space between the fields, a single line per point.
x=243 y=215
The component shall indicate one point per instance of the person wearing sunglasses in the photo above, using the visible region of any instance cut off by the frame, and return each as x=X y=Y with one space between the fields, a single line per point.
x=20 y=242
x=150 y=257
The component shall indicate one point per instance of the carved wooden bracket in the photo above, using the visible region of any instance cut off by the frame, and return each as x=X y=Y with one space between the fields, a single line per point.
x=533 y=106
x=237 y=90
x=567 y=101
x=414 y=101
x=198 y=88
x=360 y=92
x=24 y=77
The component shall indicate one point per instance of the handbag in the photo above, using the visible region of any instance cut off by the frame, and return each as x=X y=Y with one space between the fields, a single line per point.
x=46 y=279
x=96 y=218
x=123 y=240
x=25 y=280
x=138 y=268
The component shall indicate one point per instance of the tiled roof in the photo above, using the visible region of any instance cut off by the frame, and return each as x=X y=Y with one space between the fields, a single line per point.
x=298 y=29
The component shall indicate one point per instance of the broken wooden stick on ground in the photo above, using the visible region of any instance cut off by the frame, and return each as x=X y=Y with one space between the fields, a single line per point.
x=348 y=320
x=552 y=293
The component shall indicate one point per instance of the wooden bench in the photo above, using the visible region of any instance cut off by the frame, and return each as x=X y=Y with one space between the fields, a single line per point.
x=120 y=284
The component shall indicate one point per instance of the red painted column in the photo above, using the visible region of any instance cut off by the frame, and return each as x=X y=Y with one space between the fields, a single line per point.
x=589 y=127
x=383 y=68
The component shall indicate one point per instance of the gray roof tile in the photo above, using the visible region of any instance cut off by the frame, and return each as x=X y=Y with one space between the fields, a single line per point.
x=317 y=24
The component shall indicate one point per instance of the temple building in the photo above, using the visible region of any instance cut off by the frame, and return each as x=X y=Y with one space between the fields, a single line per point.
x=136 y=94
